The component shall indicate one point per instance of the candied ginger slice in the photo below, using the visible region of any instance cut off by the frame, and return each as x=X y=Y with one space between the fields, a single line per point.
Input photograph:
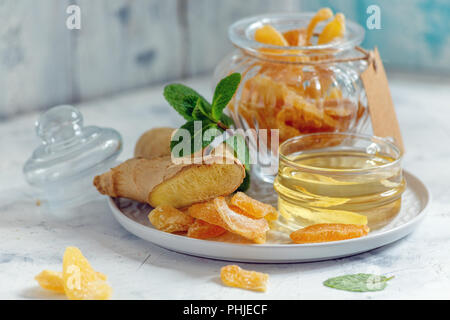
x=254 y=208
x=207 y=212
x=203 y=230
x=328 y=232
x=80 y=280
x=234 y=276
x=51 y=280
x=321 y=15
x=333 y=30
x=253 y=229
x=295 y=37
x=170 y=219
x=269 y=35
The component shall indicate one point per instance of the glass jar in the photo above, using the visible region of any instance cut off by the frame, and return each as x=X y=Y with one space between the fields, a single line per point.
x=297 y=90
x=70 y=155
x=339 y=178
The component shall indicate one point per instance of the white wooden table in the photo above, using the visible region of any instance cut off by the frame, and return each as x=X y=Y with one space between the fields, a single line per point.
x=32 y=239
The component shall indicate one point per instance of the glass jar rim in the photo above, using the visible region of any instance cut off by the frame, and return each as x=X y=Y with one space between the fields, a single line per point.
x=310 y=169
x=242 y=31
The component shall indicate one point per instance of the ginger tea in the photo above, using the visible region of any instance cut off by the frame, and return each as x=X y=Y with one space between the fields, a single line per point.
x=339 y=184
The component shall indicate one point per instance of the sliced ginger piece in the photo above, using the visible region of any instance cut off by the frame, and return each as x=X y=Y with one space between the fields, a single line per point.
x=328 y=232
x=321 y=15
x=53 y=280
x=254 y=208
x=335 y=29
x=203 y=230
x=269 y=35
x=253 y=229
x=296 y=37
x=80 y=281
x=207 y=212
x=218 y=212
x=169 y=219
x=234 y=276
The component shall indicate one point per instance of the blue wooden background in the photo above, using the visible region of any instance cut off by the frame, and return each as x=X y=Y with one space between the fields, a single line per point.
x=126 y=44
x=414 y=34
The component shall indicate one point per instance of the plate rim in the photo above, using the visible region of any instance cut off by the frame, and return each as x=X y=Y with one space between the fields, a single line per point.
x=423 y=212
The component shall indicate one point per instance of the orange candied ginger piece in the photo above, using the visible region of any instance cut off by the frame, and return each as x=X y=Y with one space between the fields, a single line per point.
x=80 y=281
x=218 y=212
x=254 y=208
x=207 y=212
x=269 y=35
x=329 y=232
x=321 y=15
x=234 y=276
x=204 y=230
x=295 y=37
x=276 y=104
x=335 y=29
x=253 y=229
x=170 y=219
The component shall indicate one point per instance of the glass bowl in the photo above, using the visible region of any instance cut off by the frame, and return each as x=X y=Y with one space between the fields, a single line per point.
x=339 y=178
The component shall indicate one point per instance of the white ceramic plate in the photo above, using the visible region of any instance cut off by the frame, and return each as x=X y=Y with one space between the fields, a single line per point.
x=133 y=217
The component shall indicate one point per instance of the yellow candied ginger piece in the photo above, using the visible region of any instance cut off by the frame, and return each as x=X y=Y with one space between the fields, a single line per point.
x=53 y=280
x=321 y=15
x=269 y=35
x=234 y=276
x=80 y=280
x=333 y=30
x=254 y=208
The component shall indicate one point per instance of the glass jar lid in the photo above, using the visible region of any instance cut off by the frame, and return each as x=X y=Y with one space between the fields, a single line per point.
x=69 y=152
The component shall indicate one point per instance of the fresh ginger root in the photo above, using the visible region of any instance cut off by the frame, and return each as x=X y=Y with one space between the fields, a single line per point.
x=160 y=182
x=154 y=143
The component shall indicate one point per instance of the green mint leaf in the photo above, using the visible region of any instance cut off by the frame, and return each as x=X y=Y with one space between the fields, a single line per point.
x=213 y=132
x=246 y=183
x=360 y=282
x=183 y=99
x=196 y=138
x=225 y=90
x=202 y=111
x=240 y=148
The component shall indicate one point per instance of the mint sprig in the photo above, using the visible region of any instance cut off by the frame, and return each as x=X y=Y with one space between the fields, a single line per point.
x=183 y=99
x=197 y=136
x=225 y=90
x=193 y=107
x=360 y=282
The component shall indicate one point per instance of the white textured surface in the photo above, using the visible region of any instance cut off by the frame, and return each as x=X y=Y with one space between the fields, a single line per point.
x=32 y=239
